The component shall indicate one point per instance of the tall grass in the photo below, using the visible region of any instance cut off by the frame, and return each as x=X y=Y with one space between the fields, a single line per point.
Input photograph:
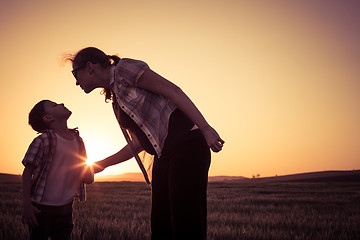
x=236 y=210
x=284 y=211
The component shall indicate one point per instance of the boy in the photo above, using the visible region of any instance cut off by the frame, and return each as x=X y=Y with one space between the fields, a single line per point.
x=55 y=172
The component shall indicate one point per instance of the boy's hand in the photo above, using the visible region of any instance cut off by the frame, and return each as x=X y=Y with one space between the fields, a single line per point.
x=28 y=215
x=88 y=174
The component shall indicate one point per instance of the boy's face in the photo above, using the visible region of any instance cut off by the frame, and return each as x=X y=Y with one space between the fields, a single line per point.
x=56 y=111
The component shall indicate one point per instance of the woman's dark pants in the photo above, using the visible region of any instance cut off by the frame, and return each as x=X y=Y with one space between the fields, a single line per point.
x=179 y=185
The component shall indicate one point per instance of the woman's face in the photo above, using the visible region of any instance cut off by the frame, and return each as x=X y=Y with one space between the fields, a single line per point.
x=84 y=78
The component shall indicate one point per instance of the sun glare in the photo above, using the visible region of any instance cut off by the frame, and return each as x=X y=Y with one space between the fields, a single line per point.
x=96 y=150
x=99 y=150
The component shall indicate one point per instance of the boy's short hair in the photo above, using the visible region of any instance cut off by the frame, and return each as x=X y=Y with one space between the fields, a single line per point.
x=36 y=117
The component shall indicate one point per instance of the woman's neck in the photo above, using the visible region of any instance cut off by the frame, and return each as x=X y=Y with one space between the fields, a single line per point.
x=106 y=78
x=103 y=76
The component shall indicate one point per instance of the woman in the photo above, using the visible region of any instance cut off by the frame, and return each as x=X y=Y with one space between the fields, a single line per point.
x=165 y=132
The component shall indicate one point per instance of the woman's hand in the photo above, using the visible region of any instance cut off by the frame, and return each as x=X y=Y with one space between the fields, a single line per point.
x=97 y=167
x=213 y=139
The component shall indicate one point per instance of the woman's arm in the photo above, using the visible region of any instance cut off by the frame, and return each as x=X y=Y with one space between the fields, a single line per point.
x=123 y=155
x=155 y=83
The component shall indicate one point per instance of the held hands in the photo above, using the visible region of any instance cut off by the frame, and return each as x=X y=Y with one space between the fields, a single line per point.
x=98 y=167
x=28 y=215
x=213 y=139
x=88 y=174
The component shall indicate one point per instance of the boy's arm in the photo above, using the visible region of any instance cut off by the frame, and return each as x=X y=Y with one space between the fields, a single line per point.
x=28 y=213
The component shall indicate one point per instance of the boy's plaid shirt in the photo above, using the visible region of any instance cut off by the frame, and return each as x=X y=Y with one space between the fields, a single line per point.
x=151 y=112
x=40 y=155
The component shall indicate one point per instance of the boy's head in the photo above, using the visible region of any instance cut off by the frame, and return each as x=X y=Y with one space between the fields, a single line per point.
x=45 y=113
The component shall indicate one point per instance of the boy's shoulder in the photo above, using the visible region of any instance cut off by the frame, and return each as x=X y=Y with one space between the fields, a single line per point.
x=43 y=138
x=46 y=134
x=50 y=134
x=75 y=131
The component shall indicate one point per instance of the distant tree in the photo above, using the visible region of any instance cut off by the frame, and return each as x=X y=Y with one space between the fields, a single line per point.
x=258 y=175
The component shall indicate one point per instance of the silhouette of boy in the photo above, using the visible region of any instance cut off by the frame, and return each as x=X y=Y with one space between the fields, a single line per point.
x=55 y=172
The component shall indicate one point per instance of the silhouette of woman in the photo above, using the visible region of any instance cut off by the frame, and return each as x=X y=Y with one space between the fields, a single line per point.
x=165 y=132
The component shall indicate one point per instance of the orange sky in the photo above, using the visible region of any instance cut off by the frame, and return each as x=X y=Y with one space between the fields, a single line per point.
x=279 y=81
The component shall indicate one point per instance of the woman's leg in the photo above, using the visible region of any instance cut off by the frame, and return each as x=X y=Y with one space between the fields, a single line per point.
x=188 y=187
x=160 y=210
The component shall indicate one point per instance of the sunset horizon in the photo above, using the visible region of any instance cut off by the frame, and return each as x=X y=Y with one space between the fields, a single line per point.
x=138 y=176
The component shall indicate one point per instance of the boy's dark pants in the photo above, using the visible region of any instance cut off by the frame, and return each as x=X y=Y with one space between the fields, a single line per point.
x=179 y=185
x=54 y=221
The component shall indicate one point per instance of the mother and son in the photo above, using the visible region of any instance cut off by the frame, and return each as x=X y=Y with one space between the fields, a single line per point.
x=159 y=123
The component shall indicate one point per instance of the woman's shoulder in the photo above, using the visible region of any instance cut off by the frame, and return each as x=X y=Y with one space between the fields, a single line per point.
x=130 y=70
x=130 y=63
x=130 y=60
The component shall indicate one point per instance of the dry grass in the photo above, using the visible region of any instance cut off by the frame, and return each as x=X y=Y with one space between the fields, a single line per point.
x=236 y=210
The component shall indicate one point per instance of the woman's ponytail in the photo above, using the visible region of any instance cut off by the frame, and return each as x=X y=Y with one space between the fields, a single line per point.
x=114 y=59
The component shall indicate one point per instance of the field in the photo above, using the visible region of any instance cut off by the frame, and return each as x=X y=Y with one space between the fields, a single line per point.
x=236 y=210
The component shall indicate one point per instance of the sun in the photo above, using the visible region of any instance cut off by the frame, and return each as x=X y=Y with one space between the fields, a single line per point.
x=96 y=150
x=95 y=154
